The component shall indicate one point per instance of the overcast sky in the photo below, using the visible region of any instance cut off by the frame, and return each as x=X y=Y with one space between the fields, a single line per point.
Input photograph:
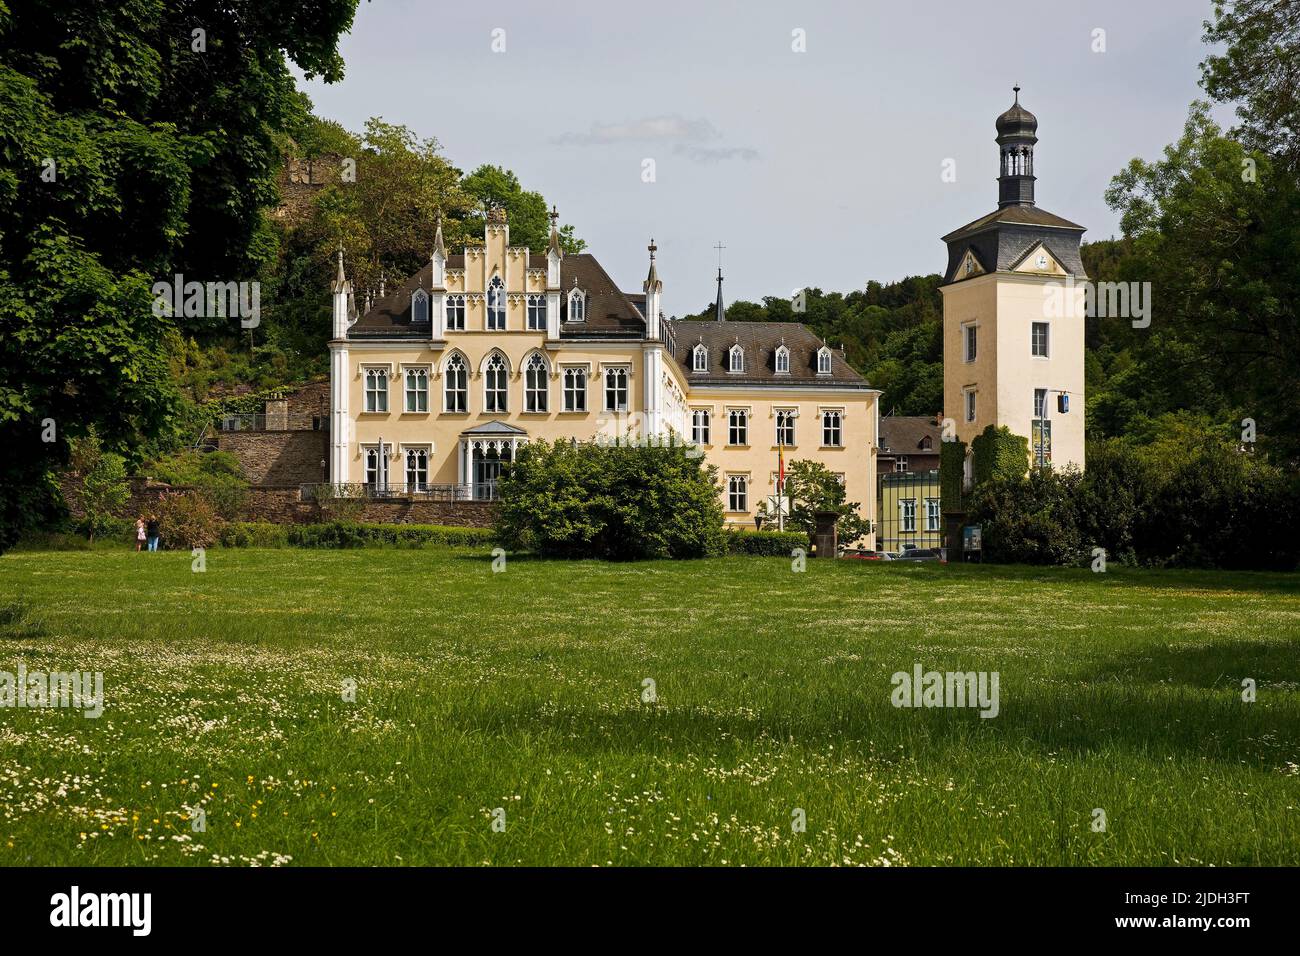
x=821 y=168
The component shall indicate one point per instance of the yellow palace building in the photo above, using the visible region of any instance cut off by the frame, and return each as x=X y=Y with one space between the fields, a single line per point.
x=436 y=386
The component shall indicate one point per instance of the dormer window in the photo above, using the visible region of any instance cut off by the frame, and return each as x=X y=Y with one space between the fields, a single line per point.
x=700 y=358
x=736 y=359
x=419 y=307
x=577 y=305
x=782 y=360
x=823 y=361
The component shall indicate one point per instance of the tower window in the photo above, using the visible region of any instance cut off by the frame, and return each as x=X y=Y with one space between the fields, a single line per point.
x=1038 y=339
x=970 y=337
x=970 y=404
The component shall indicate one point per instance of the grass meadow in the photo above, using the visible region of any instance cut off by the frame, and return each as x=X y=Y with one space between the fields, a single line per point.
x=523 y=691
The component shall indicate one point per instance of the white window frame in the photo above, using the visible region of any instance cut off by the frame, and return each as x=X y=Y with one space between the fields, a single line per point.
x=900 y=463
x=907 y=516
x=734 y=424
x=933 y=515
x=782 y=360
x=833 y=427
x=496 y=401
x=970 y=342
x=738 y=493
x=536 y=397
x=1047 y=339
x=626 y=387
x=700 y=421
x=824 y=361
x=371 y=453
x=578 y=390
x=700 y=358
x=496 y=288
x=578 y=304
x=417 y=449
x=785 y=421
x=375 y=395
x=449 y=377
x=535 y=318
x=456 y=312
x=421 y=391
x=969 y=404
x=736 y=359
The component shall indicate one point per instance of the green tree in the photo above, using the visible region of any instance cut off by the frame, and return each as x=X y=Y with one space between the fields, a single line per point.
x=525 y=210
x=812 y=487
x=104 y=491
x=131 y=148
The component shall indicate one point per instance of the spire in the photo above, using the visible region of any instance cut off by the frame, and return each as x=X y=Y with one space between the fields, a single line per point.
x=438 y=248
x=719 y=312
x=554 y=216
x=652 y=283
x=1017 y=133
x=340 y=280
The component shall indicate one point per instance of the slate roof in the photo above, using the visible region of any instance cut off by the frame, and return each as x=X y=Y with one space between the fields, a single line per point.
x=1005 y=236
x=609 y=312
x=903 y=434
x=760 y=341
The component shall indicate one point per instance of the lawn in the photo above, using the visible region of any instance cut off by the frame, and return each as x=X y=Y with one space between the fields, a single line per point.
x=522 y=692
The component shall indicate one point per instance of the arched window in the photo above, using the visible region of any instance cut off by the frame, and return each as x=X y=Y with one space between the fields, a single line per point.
x=782 y=360
x=823 y=361
x=455 y=386
x=535 y=393
x=419 y=307
x=577 y=305
x=494 y=385
x=496 y=304
x=700 y=358
x=736 y=359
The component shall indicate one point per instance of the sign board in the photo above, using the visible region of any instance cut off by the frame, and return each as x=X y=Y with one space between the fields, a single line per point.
x=778 y=505
x=970 y=538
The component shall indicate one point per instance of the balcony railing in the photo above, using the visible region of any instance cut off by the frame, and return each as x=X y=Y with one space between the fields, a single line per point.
x=378 y=491
x=241 y=423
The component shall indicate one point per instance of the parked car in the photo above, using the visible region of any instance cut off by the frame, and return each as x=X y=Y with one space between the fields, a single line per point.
x=862 y=554
x=920 y=554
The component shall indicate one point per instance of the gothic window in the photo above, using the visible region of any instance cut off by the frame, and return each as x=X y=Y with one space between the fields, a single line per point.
x=737 y=427
x=823 y=361
x=785 y=427
x=700 y=359
x=456 y=313
x=616 y=389
x=417 y=469
x=376 y=390
x=496 y=305
x=832 y=428
x=577 y=306
x=417 y=390
x=736 y=359
x=537 y=313
x=419 y=307
x=782 y=360
x=456 y=386
x=737 y=493
x=494 y=385
x=700 y=426
x=535 y=384
x=575 y=389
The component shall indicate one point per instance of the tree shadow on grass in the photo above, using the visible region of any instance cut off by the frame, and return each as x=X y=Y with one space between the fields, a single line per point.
x=1214 y=664
x=1120 y=576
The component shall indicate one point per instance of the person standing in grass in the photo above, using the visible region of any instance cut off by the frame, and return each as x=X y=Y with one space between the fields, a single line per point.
x=139 y=533
x=151 y=529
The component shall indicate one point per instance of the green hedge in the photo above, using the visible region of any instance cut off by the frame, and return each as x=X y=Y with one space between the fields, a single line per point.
x=262 y=534
x=997 y=453
x=952 y=468
x=770 y=543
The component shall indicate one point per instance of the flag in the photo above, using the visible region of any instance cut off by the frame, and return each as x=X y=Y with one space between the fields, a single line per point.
x=780 y=472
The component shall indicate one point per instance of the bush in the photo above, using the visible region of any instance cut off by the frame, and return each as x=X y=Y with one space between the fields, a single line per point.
x=768 y=543
x=1197 y=501
x=619 y=502
x=1029 y=519
x=216 y=475
x=997 y=452
x=187 y=519
x=254 y=534
x=344 y=534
